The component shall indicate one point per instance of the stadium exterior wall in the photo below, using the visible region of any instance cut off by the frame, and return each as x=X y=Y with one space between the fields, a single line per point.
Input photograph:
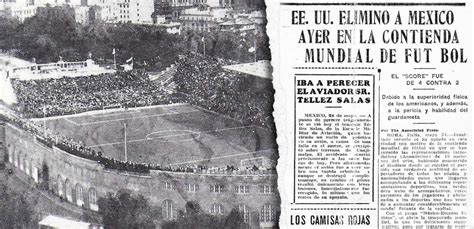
x=82 y=182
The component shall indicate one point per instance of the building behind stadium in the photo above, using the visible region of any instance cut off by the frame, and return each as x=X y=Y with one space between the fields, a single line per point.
x=80 y=182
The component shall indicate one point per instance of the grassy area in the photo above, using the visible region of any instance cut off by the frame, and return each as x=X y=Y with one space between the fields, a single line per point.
x=168 y=135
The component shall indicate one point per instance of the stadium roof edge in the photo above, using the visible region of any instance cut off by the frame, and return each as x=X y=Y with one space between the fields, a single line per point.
x=59 y=222
x=261 y=68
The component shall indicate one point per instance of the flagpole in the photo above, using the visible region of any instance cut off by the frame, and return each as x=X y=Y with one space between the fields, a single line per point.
x=125 y=142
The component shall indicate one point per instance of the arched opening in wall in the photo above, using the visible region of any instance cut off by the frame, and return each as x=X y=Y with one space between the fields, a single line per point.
x=35 y=173
x=192 y=187
x=168 y=185
x=79 y=195
x=30 y=166
x=23 y=163
x=73 y=193
x=68 y=192
x=267 y=215
x=17 y=158
x=93 y=200
x=27 y=166
x=10 y=155
x=45 y=177
x=20 y=161
x=60 y=186
x=217 y=209
x=168 y=210
x=86 y=198
x=6 y=155
x=244 y=212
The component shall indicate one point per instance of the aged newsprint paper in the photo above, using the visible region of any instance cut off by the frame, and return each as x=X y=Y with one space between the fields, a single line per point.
x=136 y=114
x=373 y=110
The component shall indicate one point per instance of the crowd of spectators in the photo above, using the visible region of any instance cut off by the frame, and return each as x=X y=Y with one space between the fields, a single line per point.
x=200 y=80
x=69 y=95
x=68 y=145
x=240 y=96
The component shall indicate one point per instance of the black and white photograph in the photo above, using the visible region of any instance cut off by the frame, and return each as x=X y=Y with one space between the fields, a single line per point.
x=123 y=114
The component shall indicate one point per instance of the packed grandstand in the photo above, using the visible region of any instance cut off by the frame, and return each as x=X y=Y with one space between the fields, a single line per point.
x=200 y=81
x=71 y=95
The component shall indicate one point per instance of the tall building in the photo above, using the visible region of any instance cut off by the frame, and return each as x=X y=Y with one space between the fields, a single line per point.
x=82 y=14
x=103 y=9
x=173 y=8
x=50 y=2
x=22 y=13
x=203 y=18
x=57 y=11
x=15 y=3
x=113 y=11
x=133 y=11
x=20 y=9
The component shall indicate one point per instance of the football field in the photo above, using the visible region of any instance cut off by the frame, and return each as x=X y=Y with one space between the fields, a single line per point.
x=176 y=134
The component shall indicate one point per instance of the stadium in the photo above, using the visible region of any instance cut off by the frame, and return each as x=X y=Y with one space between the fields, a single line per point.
x=200 y=131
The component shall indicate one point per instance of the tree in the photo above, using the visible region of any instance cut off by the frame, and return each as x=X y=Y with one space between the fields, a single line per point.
x=15 y=209
x=8 y=28
x=46 y=34
x=53 y=32
x=127 y=211
x=234 y=220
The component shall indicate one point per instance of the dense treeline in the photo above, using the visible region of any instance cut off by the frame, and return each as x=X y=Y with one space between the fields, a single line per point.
x=66 y=95
x=53 y=33
x=16 y=209
x=124 y=210
x=47 y=37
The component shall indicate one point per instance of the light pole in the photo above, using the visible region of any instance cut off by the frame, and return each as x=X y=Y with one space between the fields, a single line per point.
x=125 y=140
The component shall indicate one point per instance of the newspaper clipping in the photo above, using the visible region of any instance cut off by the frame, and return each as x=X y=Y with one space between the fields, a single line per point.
x=373 y=113
x=136 y=114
